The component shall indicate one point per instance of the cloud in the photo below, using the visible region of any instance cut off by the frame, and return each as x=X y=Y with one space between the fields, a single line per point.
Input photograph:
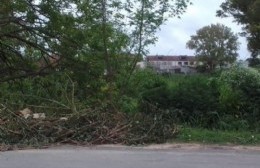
x=176 y=32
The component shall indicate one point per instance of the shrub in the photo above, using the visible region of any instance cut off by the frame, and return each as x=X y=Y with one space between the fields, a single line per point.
x=230 y=100
x=196 y=101
x=143 y=89
x=128 y=104
x=240 y=94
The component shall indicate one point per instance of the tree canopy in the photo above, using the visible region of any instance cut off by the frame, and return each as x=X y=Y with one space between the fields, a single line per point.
x=246 y=13
x=89 y=33
x=30 y=30
x=214 y=45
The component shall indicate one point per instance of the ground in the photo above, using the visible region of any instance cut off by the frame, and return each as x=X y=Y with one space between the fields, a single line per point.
x=116 y=156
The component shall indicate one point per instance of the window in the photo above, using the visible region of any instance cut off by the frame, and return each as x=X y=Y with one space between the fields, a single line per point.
x=179 y=63
x=177 y=70
x=186 y=63
x=191 y=63
x=183 y=57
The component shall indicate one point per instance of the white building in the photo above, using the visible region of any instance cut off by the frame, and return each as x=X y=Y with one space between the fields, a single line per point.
x=172 y=64
x=141 y=65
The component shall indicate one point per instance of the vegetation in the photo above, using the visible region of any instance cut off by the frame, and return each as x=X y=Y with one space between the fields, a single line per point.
x=65 y=68
x=149 y=108
x=245 y=13
x=228 y=100
x=67 y=75
x=205 y=136
x=215 y=45
x=90 y=34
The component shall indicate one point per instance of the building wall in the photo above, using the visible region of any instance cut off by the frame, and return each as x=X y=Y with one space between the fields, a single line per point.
x=167 y=64
x=141 y=65
x=170 y=64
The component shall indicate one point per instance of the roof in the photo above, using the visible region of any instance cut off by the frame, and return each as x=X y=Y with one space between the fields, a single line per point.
x=170 y=58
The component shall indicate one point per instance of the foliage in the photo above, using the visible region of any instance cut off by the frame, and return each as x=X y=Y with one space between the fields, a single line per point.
x=97 y=44
x=30 y=30
x=247 y=14
x=243 y=96
x=91 y=121
x=186 y=99
x=93 y=94
x=146 y=110
x=214 y=45
x=88 y=32
x=241 y=78
x=199 y=135
x=227 y=101
x=91 y=126
x=141 y=84
x=254 y=62
x=194 y=101
x=57 y=96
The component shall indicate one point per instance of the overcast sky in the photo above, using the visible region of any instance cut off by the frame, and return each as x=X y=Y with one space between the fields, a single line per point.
x=175 y=33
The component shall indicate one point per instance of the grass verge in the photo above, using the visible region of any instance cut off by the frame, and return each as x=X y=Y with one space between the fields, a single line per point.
x=198 y=135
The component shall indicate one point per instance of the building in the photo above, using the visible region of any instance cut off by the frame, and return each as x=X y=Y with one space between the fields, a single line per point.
x=172 y=64
x=141 y=65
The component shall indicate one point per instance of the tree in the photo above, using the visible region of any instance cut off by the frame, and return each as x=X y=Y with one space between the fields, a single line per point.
x=32 y=30
x=246 y=13
x=91 y=33
x=214 y=45
x=253 y=62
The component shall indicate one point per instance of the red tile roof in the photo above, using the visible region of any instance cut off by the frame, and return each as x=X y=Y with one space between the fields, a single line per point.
x=170 y=58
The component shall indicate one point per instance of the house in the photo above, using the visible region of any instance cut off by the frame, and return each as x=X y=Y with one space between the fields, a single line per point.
x=141 y=65
x=172 y=64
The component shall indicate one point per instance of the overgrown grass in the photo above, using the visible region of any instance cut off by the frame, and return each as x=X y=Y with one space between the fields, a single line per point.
x=205 y=136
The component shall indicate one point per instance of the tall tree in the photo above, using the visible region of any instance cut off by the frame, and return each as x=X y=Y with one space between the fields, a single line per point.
x=214 y=45
x=247 y=13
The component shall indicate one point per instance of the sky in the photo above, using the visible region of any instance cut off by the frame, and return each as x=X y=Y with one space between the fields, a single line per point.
x=174 y=34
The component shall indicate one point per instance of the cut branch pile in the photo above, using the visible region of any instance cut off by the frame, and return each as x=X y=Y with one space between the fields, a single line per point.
x=88 y=128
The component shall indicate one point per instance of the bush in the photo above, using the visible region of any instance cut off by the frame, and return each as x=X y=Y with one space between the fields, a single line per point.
x=128 y=104
x=228 y=100
x=195 y=97
x=114 y=120
x=240 y=94
x=143 y=89
x=186 y=99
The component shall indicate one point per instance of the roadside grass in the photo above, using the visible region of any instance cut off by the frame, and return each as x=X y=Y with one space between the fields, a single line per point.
x=198 y=135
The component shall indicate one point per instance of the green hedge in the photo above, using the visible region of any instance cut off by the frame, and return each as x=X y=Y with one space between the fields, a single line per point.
x=229 y=100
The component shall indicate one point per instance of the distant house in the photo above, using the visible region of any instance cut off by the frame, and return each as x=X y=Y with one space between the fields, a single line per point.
x=141 y=65
x=172 y=64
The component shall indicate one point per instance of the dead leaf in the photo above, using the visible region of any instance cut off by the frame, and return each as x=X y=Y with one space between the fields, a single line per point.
x=26 y=113
x=64 y=119
x=39 y=116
